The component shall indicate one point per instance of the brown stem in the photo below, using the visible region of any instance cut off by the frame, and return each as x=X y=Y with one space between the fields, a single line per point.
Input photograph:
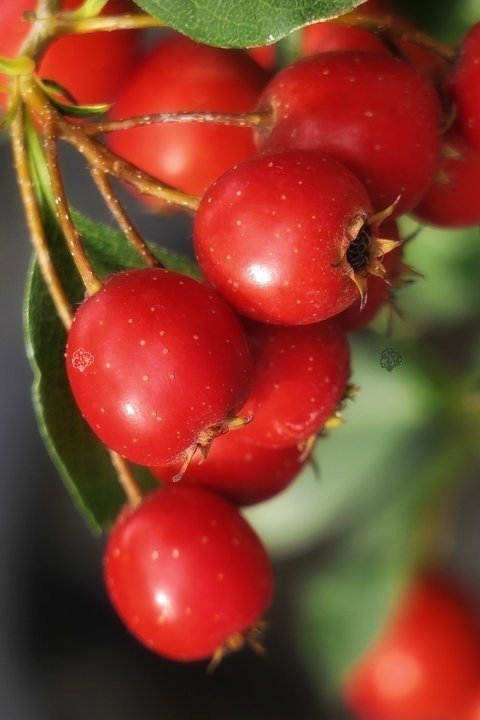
x=72 y=236
x=126 y=479
x=103 y=184
x=97 y=155
x=251 y=120
x=389 y=24
x=63 y=25
x=40 y=33
x=34 y=219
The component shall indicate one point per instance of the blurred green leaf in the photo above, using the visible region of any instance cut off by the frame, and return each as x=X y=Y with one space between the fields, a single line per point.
x=450 y=292
x=342 y=607
x=83 y=462
x=245 y=23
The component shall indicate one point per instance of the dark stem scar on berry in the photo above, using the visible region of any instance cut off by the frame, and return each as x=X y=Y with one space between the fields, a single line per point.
x=363 y=250
x=204 y=441
x=253 y=637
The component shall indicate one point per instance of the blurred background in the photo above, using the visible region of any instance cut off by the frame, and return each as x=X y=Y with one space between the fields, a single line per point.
x=344 y=539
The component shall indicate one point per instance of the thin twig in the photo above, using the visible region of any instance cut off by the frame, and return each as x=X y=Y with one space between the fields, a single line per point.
x=389 y=24
x=34 y=219
x=126 y=479
x=97 y=155
x=63 y=25
x=251 y=120
x=103 y=184
x=72 y=236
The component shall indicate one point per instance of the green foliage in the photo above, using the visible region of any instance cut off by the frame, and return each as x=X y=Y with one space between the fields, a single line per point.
x=244 y=23
x=83 y=462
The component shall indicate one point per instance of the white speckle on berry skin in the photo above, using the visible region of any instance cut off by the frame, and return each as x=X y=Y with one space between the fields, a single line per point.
x=204 y=539
x=155 y=555
x=175 y=553
x=107 y=365
x=142 y=342
x=145 y=378
x=220 y=576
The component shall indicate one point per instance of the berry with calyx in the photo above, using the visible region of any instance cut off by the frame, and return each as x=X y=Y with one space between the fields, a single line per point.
x=289 y=238
x=239 y=470
x=371 y=112
x=187 y=574
x=158 y=365
x=300 y=380
x=379 y=292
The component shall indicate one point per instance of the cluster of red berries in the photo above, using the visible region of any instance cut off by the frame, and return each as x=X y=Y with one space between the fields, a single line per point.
x=222 y=387
x=293 y=239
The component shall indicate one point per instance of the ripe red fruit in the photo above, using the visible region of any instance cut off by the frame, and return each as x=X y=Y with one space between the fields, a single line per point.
x=453 y=200
x=92 y=67
x=157 y=363
x=465 y=86
x=282 y=236
x=379 y=292
x=187 y=574
x=472 y=709
x=238 y=470
x=182 y=75
x=330 y=37
x=301 y=375
x=371 y=112
x=426 y=662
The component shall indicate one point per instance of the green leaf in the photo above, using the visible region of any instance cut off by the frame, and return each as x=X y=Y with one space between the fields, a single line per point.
x=344 y=606
x=83 y=462
x=244 y=23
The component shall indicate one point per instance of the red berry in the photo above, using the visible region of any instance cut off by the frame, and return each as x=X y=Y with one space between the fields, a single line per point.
x=301 y=375
x=379 y=292
x=187 y=574
x=453 y=200
x=465 y=86
x=371 y=112
x=472 y=709
x=92 y=67
x=154 y=360
x=324 y=37
x=277 y=235
x=182 y=75
x=238 y=470
x=424 y=665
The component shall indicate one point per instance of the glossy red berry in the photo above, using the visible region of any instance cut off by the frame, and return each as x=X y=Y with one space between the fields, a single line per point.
x=239 y=470
x=331 y=37
x=180 y=74
x=453 y=199
x=425 y=664
x=471 y=710
x=372 y=112
x=282 y=236
x=187 y=574
x=155 y=360
x=465 y=86
x=92 y=67
x=301 y=375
